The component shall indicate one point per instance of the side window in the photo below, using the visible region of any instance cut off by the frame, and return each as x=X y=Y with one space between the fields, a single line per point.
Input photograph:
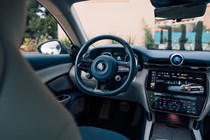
x=43 y=34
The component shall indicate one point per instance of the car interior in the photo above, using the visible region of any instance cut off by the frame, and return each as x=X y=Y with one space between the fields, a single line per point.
x=116 y=91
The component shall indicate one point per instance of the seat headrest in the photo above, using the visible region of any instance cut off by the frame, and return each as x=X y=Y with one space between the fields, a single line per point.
x=12 y=25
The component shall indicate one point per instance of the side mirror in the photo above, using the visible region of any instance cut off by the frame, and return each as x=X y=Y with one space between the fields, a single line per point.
x=52 y=47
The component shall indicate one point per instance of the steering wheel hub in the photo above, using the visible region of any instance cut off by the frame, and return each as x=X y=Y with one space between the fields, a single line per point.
x=104 y=68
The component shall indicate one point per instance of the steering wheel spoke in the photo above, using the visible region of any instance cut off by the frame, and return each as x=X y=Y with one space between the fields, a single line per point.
x=123 y=67
x=101 y=86
x=85 y=65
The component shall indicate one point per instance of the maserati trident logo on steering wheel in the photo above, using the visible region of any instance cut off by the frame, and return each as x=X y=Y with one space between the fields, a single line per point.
x=101 y=66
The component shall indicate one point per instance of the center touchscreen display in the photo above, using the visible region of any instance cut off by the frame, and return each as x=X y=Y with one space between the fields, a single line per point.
x=176 y=82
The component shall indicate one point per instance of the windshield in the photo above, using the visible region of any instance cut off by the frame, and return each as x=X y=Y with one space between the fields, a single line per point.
x=134 y=21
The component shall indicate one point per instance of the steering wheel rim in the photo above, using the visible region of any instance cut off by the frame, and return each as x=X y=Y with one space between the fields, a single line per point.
x=131 y=74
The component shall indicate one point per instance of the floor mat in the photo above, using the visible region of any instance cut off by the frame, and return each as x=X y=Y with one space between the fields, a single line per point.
x=206 y=128
x=118 y=120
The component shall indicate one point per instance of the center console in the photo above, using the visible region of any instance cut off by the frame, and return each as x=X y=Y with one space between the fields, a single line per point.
x=177 y=92
x=171 y=127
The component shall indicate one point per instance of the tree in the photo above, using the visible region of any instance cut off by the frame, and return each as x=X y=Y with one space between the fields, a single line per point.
x=169 y=47
x=177 y=29
x=39 y=22
x=183 y=38
x=205 y=29
x=161 y=37
x=198 y=36
x=149 y=41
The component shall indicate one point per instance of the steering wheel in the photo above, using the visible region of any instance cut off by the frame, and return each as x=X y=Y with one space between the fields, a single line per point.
x=105 y=68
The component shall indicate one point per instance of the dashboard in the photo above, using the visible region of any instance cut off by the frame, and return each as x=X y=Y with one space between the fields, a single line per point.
x=167 y=81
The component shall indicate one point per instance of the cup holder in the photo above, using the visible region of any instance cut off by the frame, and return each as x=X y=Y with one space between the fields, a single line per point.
x=63 y=99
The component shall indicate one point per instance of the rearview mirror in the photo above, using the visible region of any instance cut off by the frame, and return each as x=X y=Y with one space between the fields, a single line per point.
x=52 y=47
x=179 y=12
x=167 y=3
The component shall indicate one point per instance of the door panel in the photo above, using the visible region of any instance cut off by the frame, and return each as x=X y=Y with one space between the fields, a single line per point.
x=60 y=84
x=40 y=62
x=53 y=71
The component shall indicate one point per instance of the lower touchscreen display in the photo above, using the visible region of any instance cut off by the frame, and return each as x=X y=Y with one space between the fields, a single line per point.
x=176 y=82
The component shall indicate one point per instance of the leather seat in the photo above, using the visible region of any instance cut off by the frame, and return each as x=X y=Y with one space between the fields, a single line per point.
x=94 y=133
x=28 y=111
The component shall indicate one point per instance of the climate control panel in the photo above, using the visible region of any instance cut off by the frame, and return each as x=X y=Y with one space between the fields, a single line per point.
x=188 y=105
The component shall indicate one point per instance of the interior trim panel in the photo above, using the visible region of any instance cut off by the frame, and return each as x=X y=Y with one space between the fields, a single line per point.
x=53 y=72
x=39 y=61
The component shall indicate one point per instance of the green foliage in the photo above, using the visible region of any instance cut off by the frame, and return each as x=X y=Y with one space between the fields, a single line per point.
x=130 y=40
x=40 y=23
x=43 y=38
x=165 y=40
x=198 y=36
x=67 y=43
x=169 y=47
x=164 y=27
x=149 y=41
x=183 y=38
x=205 y=29
x=29 y=45
x=113 y=42
x=161 y=37
x=177 y=29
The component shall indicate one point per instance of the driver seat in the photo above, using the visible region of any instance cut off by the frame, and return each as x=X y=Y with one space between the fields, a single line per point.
x=28 y=110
